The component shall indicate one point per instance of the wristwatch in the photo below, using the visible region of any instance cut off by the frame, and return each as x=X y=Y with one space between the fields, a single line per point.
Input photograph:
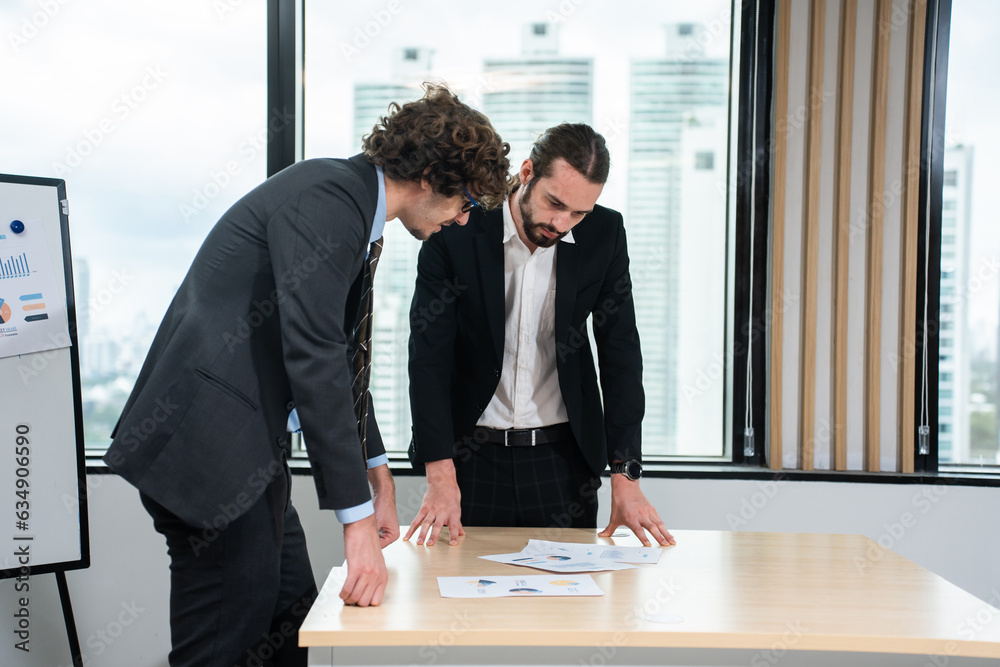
x=632 y=469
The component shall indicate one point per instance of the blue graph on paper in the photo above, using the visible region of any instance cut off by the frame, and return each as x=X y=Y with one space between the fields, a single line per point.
x=14 y=266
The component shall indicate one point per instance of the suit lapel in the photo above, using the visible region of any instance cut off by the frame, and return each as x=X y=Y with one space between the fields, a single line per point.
x=567 y=263
x=489 y=247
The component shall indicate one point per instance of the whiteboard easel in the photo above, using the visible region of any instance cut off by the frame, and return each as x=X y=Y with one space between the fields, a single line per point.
x=42 y=460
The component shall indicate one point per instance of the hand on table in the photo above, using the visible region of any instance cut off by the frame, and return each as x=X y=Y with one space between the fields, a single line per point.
x=629 y=507
x=366 y=571
x=442 y=505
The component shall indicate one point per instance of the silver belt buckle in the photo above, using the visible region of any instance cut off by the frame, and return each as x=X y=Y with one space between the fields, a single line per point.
x=506 y=433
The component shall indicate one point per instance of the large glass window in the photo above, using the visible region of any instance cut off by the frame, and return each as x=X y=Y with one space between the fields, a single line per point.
x=654 y=78
x=154 y=114
x=970 y=242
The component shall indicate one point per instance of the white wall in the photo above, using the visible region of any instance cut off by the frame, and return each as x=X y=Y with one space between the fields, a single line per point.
x=121 y=600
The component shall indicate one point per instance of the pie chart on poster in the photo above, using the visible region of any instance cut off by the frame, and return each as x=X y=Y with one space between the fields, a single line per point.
x=4 y=312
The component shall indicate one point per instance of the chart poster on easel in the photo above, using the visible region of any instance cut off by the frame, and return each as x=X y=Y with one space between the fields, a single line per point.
x=32 y=310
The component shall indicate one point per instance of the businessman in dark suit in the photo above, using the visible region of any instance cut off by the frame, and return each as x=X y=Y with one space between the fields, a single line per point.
x=266 y=325
x=507 y=417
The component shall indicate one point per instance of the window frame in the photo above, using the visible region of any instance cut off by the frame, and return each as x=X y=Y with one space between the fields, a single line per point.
x=753 y=188
x=933 y=108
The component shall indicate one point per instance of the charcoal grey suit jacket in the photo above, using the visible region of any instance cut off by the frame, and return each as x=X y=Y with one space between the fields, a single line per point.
x=262 y=323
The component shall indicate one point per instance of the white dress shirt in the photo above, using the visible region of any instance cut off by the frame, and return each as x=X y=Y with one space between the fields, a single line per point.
x=528 y=395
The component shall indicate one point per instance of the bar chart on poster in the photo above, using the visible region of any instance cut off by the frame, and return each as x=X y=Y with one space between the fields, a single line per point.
x=43 y=512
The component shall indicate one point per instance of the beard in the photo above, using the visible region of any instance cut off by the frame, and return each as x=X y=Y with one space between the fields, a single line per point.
x=532 y=229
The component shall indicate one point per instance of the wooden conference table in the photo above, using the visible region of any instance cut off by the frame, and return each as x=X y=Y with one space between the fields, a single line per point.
x=714 y=590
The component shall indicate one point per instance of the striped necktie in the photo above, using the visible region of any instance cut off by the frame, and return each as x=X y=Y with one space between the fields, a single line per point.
x=363 y=346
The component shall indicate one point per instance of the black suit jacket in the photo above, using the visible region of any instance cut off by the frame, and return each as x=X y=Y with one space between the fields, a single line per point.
x=457 y=337
x=262 y=323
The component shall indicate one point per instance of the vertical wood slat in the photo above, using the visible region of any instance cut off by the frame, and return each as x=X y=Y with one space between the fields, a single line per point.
x=907 y=361
x=842 y=231
x=810 y=237
x=784 y=10
x=873 y=273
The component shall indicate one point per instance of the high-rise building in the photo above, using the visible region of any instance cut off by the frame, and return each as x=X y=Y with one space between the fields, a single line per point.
x=953 y=337
x=701 y=282
x=527 y=94
x=410 y=67
x=102 y=355
x=673 y=99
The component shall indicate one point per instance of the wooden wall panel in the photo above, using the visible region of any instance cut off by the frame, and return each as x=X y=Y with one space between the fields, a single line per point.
x=810 y=236
x=842 y=231
x=778 y=230
x=873 y=274
x=909 y=227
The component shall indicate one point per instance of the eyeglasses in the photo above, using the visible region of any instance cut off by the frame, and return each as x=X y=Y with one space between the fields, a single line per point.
x=471 y=204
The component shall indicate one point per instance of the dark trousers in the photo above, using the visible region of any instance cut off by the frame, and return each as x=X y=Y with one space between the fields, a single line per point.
x=548 y=485
x=239 y=588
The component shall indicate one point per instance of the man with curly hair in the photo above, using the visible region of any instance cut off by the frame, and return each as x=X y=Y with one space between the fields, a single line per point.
x=507 y=416
x=268 y=329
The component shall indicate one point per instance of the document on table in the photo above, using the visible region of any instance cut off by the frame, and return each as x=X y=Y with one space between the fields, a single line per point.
x=609 y=552
x=557 y=562
x=540 y=585
x=572 y=557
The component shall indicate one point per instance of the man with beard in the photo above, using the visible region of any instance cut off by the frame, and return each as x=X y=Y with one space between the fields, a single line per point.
x=507 y=416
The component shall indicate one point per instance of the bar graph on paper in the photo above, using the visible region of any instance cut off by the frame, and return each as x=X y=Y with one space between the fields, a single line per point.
x=14 y=266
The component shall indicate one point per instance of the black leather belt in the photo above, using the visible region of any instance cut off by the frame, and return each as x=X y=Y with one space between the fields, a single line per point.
x=528 y=437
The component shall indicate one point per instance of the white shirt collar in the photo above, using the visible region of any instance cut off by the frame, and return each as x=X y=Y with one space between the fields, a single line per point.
x=378 y=226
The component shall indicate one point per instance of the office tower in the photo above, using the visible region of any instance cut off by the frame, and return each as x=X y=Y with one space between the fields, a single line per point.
x=397 y=269
x=410 y=67
x=698 y=316
x=673 y=98
x=102 y=355
x=527 y=94
x=953 y=336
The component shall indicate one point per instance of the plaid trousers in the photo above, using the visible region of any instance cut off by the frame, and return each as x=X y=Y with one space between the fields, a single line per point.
x=548 y=485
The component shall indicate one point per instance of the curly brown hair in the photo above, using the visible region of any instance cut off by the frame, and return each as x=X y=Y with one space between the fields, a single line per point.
x=446 y=142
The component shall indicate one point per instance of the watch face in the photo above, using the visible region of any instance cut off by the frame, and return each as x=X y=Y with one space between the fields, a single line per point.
x=633 y=469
